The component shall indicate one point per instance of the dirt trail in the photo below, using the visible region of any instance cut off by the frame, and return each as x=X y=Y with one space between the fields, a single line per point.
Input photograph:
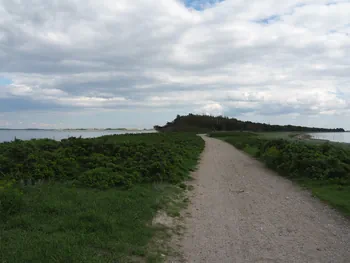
x=242 y=212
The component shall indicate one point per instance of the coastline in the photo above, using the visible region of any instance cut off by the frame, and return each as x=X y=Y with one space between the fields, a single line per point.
x=87 y=129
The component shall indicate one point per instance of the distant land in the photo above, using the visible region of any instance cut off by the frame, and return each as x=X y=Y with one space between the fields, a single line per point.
x=205 y=123
x=77 y=129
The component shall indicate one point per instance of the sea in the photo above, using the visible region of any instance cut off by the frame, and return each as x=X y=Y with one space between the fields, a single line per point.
x=343 y=137
x=10 y=135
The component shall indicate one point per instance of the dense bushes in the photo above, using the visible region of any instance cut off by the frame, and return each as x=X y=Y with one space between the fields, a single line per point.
x=118 y=160
x=297 y=159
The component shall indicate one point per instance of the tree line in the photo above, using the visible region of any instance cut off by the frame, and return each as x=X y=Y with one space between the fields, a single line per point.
x=205 y=123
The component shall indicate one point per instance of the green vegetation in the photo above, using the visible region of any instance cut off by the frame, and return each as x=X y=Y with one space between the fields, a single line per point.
x=324 y=168
x=90 y=200
x=204 y=123
x=62 y=223
x=108 y=161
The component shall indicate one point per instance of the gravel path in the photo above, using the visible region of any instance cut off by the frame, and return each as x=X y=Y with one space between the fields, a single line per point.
x=242 y=212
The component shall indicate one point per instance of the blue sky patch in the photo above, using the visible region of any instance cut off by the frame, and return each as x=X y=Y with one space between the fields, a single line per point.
x=5 y=81
x=332 y=3
x=268 y=20
x=201 y=4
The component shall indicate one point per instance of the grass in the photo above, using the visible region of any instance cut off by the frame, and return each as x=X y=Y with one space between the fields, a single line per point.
x=277 y=135
x=62 y=223
x=330 y=193
x=251 y=150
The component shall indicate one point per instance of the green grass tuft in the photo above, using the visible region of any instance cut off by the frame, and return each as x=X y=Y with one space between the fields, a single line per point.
x=61 y=223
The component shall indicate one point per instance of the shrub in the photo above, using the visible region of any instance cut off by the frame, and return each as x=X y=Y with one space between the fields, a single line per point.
x=101 y=178
x=297 y=159
x=103 y=162
x=272 y=157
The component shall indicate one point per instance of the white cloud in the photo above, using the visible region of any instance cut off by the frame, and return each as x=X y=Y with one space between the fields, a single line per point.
x=263 y=58
x=214 y=109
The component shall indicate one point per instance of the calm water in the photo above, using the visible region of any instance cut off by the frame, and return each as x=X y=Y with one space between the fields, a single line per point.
x=332 y=136
x=10 y=135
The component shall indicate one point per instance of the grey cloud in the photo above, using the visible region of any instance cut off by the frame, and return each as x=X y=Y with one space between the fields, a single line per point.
x=159 y=54
x=22 y=104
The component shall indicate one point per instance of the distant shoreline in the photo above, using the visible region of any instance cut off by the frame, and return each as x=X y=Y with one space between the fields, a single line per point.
x=93 y=129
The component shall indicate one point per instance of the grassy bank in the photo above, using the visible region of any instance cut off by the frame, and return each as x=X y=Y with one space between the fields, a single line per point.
x=324 y=168
x=89 y=200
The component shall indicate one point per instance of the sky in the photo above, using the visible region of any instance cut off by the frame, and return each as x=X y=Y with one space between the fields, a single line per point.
x=135 y=64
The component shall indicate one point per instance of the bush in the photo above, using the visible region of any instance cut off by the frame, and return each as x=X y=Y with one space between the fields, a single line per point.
x=272 y=157
x=108 y=161
x=297 y=159
x=101 y=178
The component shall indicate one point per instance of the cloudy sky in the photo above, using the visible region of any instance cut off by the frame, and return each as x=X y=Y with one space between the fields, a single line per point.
x=122 y=63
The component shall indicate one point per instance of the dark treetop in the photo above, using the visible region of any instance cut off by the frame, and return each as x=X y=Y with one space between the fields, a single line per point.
x=205 y=123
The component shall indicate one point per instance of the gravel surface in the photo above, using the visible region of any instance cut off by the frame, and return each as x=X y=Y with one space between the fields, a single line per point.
x=243 y=212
